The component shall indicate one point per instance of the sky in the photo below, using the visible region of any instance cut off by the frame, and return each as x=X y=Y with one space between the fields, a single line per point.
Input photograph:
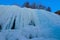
x=54 y=4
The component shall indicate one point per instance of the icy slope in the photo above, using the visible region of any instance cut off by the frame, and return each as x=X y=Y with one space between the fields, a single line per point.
x=28 y=24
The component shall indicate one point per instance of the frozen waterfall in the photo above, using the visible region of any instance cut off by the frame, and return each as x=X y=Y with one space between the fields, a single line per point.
x=28 y=24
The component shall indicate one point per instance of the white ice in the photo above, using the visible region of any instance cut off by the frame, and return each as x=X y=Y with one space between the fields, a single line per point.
x=30 y=24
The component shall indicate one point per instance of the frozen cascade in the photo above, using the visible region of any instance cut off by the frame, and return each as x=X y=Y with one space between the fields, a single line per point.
x=28 y=24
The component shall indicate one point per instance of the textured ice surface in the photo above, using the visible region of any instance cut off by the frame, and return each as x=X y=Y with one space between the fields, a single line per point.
x=29 y=24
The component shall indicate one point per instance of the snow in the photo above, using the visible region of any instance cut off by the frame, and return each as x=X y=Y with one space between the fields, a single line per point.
x=30 y=24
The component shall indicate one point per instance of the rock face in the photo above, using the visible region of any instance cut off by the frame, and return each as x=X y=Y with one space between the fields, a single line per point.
x=58 y=12
x=25 y=24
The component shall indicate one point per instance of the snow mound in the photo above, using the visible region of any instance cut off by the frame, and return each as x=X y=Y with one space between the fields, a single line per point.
x=28 y=24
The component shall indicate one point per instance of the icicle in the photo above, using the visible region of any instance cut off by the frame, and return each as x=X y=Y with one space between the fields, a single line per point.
x=0 y=27
x=35 y=18
x=9 y=23
x=32 y=23
x=17 y=23
x=13 y=26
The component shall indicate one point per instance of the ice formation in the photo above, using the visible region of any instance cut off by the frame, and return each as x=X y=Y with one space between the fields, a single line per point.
x=28 y=24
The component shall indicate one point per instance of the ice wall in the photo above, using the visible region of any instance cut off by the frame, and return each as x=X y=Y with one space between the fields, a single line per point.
x=28 y=24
